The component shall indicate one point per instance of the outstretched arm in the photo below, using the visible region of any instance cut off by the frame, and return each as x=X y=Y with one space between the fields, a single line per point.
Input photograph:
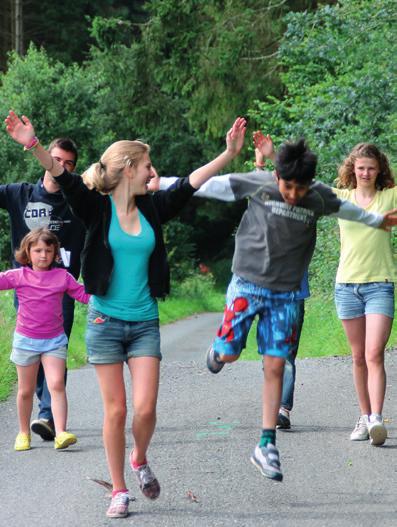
x=234 y=144
x=22 y=131
x=349 y=211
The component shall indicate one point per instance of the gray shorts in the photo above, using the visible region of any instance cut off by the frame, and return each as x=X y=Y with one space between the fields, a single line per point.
x=27 y=357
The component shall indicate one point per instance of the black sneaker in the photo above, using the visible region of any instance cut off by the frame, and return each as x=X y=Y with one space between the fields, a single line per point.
x=44 y=428
x=267 y=460
x=213 y=364
x=283 y=420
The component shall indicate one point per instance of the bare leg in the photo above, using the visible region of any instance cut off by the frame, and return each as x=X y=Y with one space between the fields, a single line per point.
x=111 y=385
x=355 y=330
x=378 y=328
x=273 y=369
x=145 y=382
x=27 y=376
x=54 y=370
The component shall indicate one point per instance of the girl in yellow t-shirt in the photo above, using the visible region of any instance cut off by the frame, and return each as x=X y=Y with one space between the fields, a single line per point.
x=364 y=290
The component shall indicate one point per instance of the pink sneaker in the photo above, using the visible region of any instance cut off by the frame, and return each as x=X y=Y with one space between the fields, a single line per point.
x=148 y=483
x=118 y=506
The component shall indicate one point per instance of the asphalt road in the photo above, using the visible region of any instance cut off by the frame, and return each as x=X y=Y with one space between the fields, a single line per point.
x=207 y=428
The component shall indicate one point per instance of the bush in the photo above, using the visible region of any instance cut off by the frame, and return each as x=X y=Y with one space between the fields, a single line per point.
x=195 y=285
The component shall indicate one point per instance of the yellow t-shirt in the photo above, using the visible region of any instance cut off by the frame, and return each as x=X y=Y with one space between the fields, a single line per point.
x=366 y=253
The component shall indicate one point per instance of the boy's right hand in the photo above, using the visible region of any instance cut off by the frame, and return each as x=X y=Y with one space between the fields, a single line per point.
x=264 y=144
x=21 y=130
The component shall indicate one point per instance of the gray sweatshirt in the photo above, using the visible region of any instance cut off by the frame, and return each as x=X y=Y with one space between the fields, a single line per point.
x=275 y=241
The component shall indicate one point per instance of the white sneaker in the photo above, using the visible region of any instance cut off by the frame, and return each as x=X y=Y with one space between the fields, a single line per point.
x=377 y=430
x=148 y=482
x=267 y=460
x=360 y=432
x=119 y=506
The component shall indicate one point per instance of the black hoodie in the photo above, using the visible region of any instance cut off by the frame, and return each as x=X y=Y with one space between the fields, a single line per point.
x=31 y=206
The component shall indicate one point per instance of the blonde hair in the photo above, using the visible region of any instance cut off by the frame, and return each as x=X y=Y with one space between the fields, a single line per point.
x=33 y=237
x=346 y=177
x=105 y=175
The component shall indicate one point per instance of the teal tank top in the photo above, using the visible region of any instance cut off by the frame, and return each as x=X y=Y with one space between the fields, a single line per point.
x=128 y=297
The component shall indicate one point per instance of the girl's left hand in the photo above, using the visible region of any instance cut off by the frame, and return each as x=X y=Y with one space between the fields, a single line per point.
x=21 y=130
x=154 y=183
x=235 y=136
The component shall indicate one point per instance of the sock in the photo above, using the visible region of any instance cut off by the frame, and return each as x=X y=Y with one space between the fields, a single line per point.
x=268 y=436
x=114 y=492
x=374 y=417
x=137 y=465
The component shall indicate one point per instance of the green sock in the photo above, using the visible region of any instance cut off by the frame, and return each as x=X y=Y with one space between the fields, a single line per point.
x=268 y=436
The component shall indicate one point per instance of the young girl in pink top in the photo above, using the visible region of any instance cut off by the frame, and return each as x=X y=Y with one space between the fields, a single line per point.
x=39 y=335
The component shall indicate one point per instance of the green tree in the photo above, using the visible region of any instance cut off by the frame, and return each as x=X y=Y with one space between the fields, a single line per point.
x=62 y=28
x=339 y=76
x=176 y=81
x=59 y=102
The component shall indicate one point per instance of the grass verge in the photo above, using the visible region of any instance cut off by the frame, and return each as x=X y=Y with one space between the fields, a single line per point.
x=193 y=296
x=322 y=333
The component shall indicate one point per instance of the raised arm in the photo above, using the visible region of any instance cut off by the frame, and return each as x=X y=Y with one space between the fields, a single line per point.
x=264 y=148
x=234 y=144
x=22 y=131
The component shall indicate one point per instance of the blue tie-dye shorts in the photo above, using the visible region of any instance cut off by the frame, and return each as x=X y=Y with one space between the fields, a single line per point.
x=277 y=319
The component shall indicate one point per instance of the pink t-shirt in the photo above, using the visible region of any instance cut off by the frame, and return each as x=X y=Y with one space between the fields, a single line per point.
x=40 y=296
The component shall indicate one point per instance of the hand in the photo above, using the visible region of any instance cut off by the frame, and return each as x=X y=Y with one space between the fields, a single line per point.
x=21 y=130
x=154 y=183
x=235 y=136
x=389 y=220
x=264 y=144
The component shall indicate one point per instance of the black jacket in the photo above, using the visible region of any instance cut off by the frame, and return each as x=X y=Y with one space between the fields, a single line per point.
x=94 y=209
x=30 y=206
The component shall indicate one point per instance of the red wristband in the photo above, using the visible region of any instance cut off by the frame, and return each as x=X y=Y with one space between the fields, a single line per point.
x=32 y=143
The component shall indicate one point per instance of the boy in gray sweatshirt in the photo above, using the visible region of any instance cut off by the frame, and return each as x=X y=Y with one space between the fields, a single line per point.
x=273 y=246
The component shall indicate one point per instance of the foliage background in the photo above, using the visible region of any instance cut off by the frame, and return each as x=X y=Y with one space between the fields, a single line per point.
x=176 y=73
x=172 y=73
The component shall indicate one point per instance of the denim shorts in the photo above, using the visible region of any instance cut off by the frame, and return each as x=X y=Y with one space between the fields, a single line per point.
x=111 y=340
x=277 y=325
x=22 y=357
x=358 y=300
